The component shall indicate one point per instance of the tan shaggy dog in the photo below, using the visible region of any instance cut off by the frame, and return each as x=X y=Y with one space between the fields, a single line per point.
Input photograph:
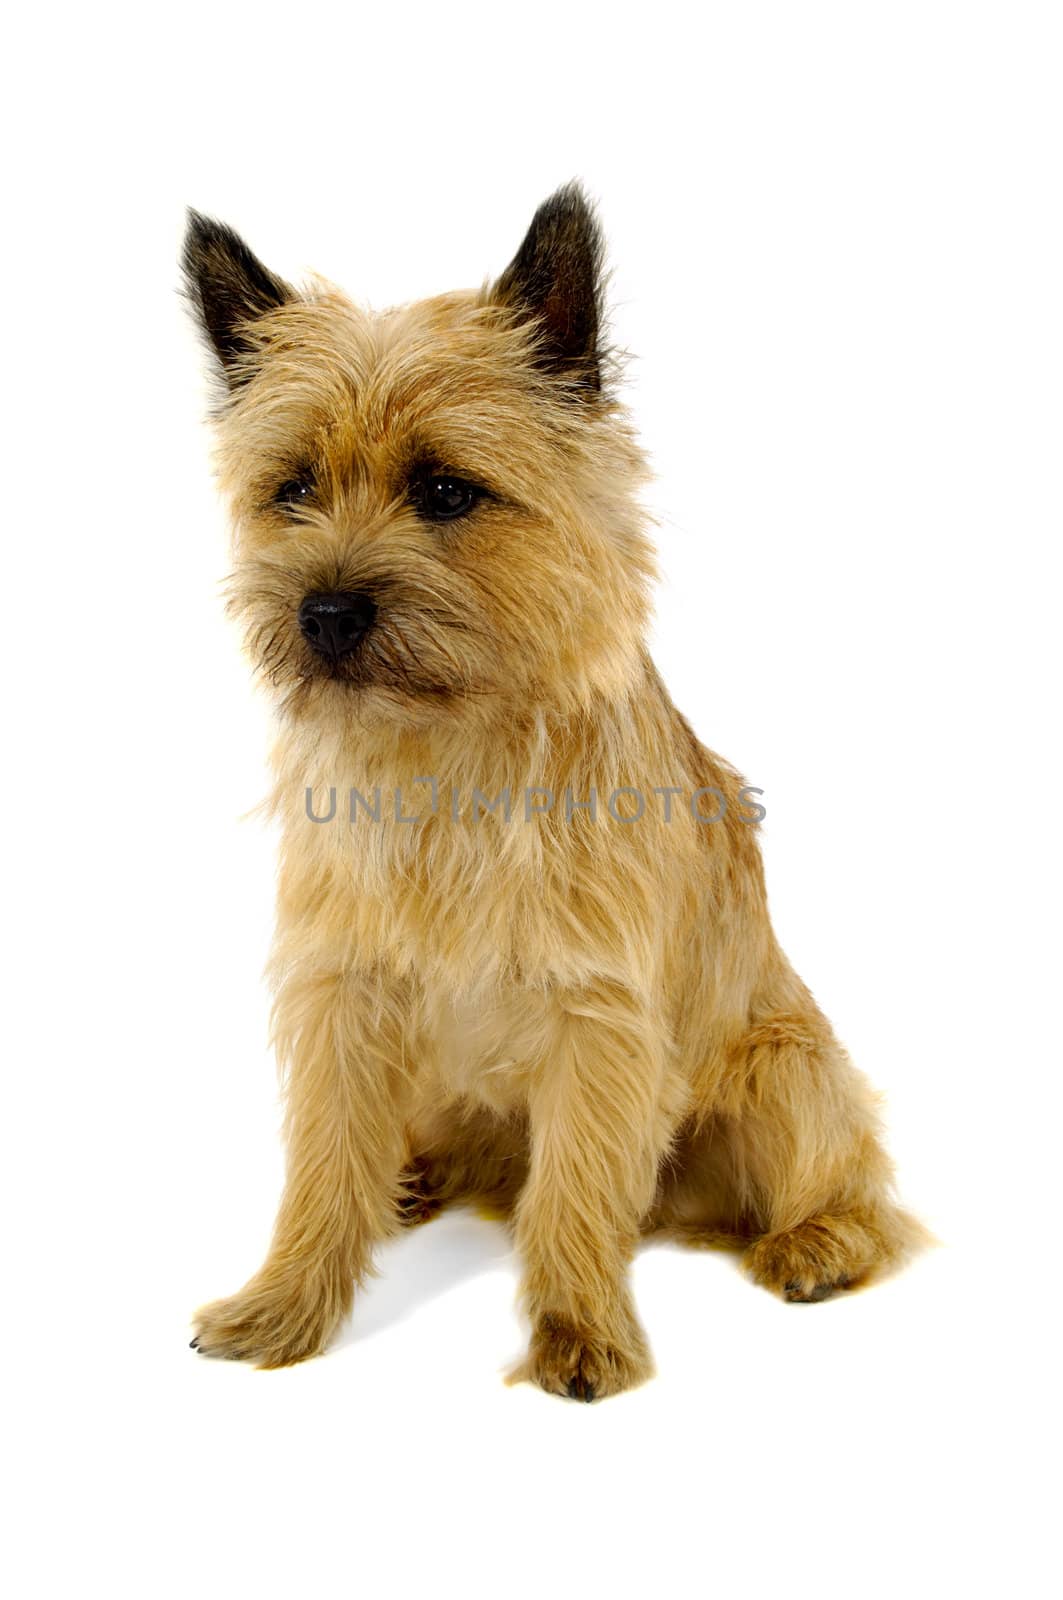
x=556 y=991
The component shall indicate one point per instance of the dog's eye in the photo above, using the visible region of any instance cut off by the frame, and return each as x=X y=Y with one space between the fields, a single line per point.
x=295 y=492
x=439 y=497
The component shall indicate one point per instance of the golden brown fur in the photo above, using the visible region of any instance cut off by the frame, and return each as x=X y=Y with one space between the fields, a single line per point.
x=584 y=1022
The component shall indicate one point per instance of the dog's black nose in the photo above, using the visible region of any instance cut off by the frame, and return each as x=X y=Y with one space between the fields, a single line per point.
x=332 y=624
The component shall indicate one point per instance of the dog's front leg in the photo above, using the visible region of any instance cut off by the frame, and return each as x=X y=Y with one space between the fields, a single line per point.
x=598 y=1128
x=340 y=1037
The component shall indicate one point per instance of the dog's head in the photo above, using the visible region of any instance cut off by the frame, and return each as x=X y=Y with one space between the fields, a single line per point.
x=433 y=506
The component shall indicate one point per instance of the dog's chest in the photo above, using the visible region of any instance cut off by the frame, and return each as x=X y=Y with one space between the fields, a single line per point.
x=474 y=939
x=462 y=908
x=481 y=1045
x=472 y=925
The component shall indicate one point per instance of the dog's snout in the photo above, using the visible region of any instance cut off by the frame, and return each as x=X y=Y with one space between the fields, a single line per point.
x=332 y=624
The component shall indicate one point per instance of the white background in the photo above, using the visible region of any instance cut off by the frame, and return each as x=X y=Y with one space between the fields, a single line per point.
x=835 y=230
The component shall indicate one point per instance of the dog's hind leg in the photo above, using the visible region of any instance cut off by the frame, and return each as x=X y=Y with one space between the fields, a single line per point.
x=807 y=1161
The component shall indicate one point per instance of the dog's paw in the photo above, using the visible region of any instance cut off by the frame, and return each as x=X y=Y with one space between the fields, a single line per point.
x=582 y=1365
x=270 y=1323
x=808 y=1263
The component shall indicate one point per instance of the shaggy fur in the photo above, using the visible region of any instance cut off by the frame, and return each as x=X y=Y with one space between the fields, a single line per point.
x=582 y=1021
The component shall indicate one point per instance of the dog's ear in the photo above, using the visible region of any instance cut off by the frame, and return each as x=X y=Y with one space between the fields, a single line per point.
x=555 y=278
x=229 y=288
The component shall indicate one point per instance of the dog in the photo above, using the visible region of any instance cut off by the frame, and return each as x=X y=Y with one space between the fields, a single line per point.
x=528 y=963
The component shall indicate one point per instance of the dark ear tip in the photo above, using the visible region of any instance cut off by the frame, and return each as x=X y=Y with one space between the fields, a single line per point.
x=202 y=234
x=571 y=206
x=197 y=225
x=205 y=234
x=572 y=196
x=227 y=285
x=556 y=276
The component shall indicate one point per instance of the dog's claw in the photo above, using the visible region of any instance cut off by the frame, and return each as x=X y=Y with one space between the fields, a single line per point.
x=580 y=1389
x=798 y=1296
x=193 y=1344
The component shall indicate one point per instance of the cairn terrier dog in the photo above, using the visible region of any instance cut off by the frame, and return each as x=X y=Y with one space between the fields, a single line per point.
x=523 y=956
